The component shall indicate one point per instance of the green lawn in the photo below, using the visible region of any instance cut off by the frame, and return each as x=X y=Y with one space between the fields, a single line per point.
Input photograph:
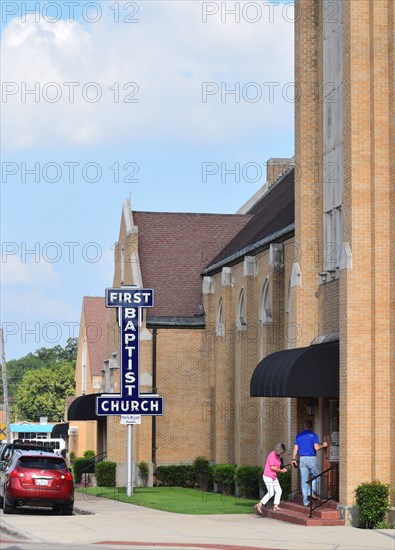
x=176 y=499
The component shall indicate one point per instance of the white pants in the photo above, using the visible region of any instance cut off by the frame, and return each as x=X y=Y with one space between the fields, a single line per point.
x=273 y=488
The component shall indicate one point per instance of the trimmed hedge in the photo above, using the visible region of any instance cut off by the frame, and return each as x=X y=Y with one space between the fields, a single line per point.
x=176 y=475
x=89 y=454
x=79 y=466
x=286 y=484
x=203 y=473
x=247 y=479
x=106 y=474
x=224 y=476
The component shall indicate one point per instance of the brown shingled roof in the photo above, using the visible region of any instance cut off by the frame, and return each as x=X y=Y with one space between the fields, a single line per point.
x=174 y=248
x=96 y=317
x=273 y=212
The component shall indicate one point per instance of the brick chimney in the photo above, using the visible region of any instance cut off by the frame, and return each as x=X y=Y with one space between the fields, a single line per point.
x=275 y=167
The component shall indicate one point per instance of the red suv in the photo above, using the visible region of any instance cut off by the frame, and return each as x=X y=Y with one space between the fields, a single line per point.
x=36 y=478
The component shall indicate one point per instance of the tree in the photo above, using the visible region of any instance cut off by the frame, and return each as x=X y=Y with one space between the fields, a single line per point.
x=16 y=368
x=70 y=350
x=42 y=357
x=42 y=392
x=57 y=354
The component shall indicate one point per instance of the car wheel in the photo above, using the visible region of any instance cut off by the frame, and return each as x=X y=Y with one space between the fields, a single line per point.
x=1 y=502
x=68 y=510
x=7 y=507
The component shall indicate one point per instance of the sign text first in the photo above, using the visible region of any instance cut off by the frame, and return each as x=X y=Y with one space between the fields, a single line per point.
x=129 y=297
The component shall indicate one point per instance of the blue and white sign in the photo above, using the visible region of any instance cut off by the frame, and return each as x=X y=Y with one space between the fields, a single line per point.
x=127 y=419
x=129 y=300
x=124 y=297
x=149 y=404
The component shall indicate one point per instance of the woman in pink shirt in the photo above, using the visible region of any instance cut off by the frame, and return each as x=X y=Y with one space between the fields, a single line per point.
x=272 y=467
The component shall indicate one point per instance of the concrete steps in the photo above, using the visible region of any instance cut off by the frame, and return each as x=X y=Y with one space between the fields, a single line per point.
x=293 y=512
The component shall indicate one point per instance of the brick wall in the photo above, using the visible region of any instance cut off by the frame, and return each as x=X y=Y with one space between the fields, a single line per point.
x=244 y=429
x=364 y=292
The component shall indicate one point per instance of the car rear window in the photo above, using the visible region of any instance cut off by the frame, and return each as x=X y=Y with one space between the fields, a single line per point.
x=42 y=462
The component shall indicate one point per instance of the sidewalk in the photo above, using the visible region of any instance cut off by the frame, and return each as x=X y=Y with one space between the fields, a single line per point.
x=99 y=520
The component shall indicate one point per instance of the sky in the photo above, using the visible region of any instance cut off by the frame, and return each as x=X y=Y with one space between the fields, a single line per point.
x=176 y=105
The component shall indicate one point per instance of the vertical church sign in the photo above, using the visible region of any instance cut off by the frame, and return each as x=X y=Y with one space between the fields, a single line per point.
x=129 y=301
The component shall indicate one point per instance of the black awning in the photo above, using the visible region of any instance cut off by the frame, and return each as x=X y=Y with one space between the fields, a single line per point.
x=60 y=430
x=301 y=372
x=83 y=408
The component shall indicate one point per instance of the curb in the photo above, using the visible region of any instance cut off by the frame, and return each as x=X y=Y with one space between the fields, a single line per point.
x=5 y=528
x=82 y=512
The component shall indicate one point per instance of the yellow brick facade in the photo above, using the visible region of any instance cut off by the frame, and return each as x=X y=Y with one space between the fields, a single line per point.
x=83 y=438
x=205 y=377
x=360 y=302
x=182 y=379
x=244 y=429
x=204 y=374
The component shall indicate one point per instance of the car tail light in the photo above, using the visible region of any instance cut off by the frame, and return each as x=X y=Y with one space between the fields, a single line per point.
x=67 y=476
x=17 y=473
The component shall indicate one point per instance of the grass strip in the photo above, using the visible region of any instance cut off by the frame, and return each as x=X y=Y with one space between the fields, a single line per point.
x=176 y=499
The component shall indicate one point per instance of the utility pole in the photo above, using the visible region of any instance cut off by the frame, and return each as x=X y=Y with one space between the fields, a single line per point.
x=5 y=388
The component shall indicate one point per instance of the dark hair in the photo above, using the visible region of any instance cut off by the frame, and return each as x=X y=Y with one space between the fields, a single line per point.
x=308 y=424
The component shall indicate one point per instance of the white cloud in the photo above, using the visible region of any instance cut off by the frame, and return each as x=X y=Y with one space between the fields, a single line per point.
x=36 y=318
x=169 y=54
x=16 y=271
x=30 y=304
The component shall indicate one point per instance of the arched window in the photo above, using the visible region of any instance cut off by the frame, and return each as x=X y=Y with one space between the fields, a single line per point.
x=219 y=327
x=122 y=264
x=288 y=299
x=241 y=323
x=83 y=368
x=266 y=312
x=288 y=316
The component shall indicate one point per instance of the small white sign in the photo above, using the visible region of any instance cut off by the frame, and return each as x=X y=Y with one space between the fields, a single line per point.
x=131 y=419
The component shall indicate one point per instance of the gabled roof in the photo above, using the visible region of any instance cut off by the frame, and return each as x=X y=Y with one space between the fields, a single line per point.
x=273 y=215
x=173 y=250
x=96 y=318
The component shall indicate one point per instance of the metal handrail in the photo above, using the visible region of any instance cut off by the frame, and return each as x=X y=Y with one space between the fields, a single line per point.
x=334 y=496
x=97 y=458
x=323 y=472
x=331 y=497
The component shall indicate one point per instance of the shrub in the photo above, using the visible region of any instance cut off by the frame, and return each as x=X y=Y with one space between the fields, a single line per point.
x=143 y=468
x=106 y=474
x=89 y=454
x=224 y=476
x=247 y=478
x=286 y=483
x=176 y=476
x=203 y=473
x=144 y=471
x=372 y=500
x=82 y=466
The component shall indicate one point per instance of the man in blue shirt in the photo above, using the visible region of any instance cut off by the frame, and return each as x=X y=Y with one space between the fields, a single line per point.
x=306 y=444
